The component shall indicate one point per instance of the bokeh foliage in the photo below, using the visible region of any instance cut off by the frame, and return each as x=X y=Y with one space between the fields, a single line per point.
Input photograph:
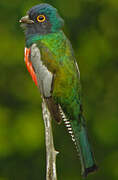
x=92 y=27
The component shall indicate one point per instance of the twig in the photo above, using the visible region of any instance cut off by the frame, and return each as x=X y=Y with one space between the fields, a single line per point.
x=50 y=150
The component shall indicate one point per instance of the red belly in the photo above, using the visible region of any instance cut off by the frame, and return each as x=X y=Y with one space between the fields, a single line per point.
x=29 y=65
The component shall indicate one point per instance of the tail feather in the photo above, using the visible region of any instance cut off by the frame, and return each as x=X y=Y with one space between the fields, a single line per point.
x=84 y=148
x=89 y=170
x=77 y=130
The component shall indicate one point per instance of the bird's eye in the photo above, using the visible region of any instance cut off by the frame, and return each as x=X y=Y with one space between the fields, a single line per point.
x=41 y=18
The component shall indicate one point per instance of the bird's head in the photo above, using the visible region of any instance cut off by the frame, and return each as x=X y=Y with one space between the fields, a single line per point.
x=42 y=19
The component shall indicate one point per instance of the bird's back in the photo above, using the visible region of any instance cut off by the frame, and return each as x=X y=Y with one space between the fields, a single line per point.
x=53 y=67
x=57 y=55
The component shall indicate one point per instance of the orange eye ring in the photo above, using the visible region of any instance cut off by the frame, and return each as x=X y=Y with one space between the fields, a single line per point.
x=41 y=18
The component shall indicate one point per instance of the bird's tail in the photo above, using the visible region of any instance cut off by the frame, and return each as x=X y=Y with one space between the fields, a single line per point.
x=78 y=132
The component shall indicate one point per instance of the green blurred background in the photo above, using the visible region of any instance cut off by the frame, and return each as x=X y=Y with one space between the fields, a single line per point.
x=92 y=27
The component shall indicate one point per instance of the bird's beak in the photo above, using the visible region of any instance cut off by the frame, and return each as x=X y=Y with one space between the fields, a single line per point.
x=26 y=20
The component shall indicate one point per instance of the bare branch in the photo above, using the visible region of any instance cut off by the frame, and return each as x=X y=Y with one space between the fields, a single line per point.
x=50 y=150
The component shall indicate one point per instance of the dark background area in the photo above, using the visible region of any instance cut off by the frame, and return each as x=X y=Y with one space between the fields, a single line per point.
x=92 y=27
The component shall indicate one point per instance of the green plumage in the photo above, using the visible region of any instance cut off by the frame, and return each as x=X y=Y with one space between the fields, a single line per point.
x=57 y=55
x=65 y=92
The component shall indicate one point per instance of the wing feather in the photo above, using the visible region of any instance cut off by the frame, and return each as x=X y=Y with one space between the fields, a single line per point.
x=45 y=80
x=44 y=76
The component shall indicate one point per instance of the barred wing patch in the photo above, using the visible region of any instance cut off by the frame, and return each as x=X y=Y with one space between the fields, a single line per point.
x=44 y=76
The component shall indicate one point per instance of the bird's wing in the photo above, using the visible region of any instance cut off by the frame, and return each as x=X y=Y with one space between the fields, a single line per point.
x=58 y=75
x=43 y=78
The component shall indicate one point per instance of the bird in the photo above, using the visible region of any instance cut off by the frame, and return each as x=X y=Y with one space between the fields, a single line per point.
x=51 y=62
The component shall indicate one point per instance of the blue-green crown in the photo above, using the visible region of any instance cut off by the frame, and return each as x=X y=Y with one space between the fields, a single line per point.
x=51 y=13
